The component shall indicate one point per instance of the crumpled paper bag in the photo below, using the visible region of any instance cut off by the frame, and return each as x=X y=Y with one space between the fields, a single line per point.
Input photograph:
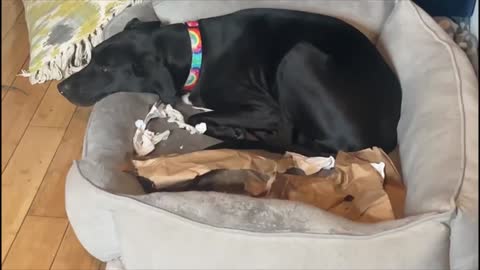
x=349 y=186
x=174 y=168
x=144 y=140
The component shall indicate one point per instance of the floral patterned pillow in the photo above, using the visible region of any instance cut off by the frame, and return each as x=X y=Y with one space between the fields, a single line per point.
x=63 y=33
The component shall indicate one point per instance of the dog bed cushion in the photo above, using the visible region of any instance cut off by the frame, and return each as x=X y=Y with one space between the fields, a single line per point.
x=63 y=33
x=368 y=18
x=438 y=147
x=460 y=33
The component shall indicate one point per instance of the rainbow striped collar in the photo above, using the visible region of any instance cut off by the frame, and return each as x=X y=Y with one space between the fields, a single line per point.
x=196 y=42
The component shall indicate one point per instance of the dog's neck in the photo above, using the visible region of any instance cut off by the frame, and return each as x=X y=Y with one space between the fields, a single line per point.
x=177 y=52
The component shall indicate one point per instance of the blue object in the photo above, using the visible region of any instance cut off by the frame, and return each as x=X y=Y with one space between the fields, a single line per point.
x=449 y=8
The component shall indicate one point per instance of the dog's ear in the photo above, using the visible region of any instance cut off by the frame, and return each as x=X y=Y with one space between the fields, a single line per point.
x=164 y=86
x=159 y=79
x=132 y=24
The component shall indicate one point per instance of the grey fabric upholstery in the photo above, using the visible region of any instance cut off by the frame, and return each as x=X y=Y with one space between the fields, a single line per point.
x=438 y=139
x=143 y=12
x=367 y=15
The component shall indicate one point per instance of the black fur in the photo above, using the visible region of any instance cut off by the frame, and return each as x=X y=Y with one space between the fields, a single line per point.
x=296 y=81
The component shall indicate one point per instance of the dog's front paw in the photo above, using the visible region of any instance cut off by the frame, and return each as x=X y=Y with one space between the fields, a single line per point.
x=239 y=133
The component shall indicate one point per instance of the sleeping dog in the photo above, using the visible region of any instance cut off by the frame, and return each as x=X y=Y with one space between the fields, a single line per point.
x=274 y=79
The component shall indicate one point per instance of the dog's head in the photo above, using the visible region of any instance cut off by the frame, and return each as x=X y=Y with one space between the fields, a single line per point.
x=126 y=62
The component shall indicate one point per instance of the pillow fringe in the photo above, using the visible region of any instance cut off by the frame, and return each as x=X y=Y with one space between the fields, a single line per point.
x=73 y=56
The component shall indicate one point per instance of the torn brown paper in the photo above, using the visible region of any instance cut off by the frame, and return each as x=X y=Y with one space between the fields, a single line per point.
x=352 y=189
x=170 y=169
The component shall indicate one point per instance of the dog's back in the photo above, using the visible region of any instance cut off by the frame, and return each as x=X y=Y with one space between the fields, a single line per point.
x=339 y=91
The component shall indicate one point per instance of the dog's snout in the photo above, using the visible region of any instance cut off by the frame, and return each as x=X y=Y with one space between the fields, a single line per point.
x=63 y=87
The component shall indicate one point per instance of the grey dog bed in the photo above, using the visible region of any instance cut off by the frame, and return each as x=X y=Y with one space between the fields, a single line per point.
x=438 y=144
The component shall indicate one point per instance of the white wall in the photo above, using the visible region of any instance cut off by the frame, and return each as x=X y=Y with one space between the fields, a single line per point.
x=474 y=21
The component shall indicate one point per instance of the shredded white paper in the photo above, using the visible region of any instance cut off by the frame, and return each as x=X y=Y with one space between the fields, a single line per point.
x=144 y=140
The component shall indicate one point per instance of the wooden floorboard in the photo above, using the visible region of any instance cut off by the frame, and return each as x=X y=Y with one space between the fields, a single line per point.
x=22 y=178
x=4 y=92
x=41 y=134
x=72 y=256
x=54 y=110
x=15 y=50
x=11 y=11
x=37 y=243
x=18 y=108
x=50 y=200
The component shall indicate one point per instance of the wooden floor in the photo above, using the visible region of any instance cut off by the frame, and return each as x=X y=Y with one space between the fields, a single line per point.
x=41 y=134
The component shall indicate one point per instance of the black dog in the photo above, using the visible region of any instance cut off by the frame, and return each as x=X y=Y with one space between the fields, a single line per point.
x=293 y=80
